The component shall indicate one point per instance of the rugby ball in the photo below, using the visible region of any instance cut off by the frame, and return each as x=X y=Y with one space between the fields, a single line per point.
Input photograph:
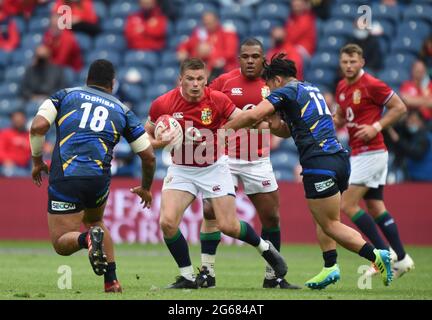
x=166 y=128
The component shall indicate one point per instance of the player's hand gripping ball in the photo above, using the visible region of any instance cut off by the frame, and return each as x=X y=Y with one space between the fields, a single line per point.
x=169 y=129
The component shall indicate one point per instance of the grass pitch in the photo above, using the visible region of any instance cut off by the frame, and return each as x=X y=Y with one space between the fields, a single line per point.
x=29 y=270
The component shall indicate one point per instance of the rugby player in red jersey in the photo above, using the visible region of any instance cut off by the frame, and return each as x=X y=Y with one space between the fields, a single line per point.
x=249 y=164
x=200 y=166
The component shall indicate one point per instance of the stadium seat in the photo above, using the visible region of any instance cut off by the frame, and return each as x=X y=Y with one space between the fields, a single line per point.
x=324 y=59
x=400 y=59
x=344 y=11
x=112 y=56
x=132 y=92
x=390 y=13
x=418 y=11
x=70 y=76
x=31 y=108
x=156 y=90
x=407 y=44
x=166 y=75
x=5 y=58
x=321 y=76
x=110 y=42
x=85 y=41
x=123 y=9
x=38 y=25
x=331 y=43
x=43 y=10
x=283 y=160
x=169 y=59
x=9 y=89
x=147 y=59
x=21 y=24
x=338 y=27
x=414 y=29
x=144 y=75
x=186 y=26
x=4 y=121
x=141 y=109
x=354 y=2
x=388 y=29
x=266 y=41
x=8 y=105
x=22 y=57
x=196 y=9
x=288 y=145
x=175 y=40
x=114 y=25
x=238 y=26
x=263 y=27
x=271 y=10
x=237 y=12
x=394 y=76
x=14 y=74
x=31 y=41
x=101 y=9
x=284 y=175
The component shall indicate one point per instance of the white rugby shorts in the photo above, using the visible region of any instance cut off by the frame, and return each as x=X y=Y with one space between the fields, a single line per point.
x=213 y=181
x=256 y=176
x=369 y=169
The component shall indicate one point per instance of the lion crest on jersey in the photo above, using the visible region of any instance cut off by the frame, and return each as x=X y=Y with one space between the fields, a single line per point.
x=206 y=116
x=265 y=92
x=356 y=96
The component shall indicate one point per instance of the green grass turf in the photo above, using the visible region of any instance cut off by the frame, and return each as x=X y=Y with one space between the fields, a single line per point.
x=29 y=270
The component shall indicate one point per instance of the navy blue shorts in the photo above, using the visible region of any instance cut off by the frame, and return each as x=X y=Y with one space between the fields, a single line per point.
x=325 y=176
x=75 y=195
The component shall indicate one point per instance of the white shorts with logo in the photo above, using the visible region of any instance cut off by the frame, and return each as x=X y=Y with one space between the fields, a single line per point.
x=213 y=181
x=256 y=176
x=369 y=169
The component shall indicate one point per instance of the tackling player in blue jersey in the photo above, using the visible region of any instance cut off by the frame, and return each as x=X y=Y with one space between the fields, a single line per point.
x=298 y=109
x=89 y=122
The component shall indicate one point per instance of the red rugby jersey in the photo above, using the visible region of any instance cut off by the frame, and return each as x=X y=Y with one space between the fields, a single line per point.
x=245 y=94
x=362 y=102
x=199 y=147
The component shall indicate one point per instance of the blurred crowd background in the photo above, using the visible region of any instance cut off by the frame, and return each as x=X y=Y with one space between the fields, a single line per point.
x=146 y=40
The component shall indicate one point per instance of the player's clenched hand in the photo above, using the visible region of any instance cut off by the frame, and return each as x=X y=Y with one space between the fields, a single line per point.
x=366 y=132
x=144 y=194
x=166 y=138
x=38 y=167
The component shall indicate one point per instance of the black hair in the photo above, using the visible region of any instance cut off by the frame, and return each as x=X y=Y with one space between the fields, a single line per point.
x=279 y=66
x=101 y=73
x=252 y=42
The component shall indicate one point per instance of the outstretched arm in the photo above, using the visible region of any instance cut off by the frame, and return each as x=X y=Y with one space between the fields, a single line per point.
x=250 y=117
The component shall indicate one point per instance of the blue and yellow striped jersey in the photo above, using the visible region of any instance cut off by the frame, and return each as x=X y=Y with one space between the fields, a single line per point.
x=89 y=124
x=303 y=108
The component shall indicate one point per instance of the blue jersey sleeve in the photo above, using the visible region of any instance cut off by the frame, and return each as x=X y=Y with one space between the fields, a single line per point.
x=57 y=98
x=282 y=98
x=134 y=128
